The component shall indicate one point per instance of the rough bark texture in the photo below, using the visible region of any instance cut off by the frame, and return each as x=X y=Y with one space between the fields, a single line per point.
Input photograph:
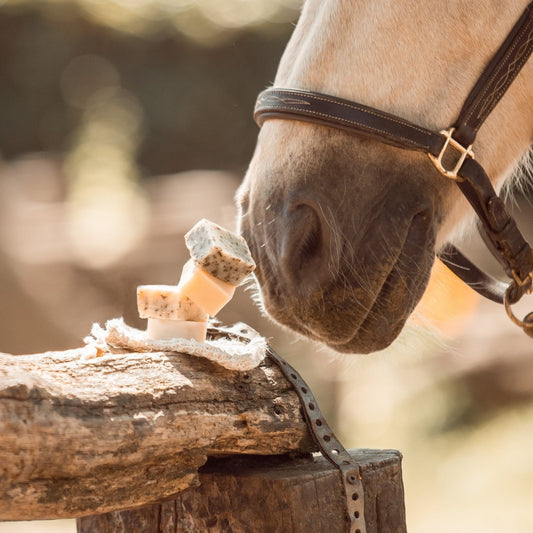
x=267 y=495
x=79 y=437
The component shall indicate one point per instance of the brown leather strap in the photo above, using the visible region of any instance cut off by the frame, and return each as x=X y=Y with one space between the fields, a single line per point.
x=330 y=447
x=497 y=227
x=345 y=115
x=496 y=78
x=475 y=278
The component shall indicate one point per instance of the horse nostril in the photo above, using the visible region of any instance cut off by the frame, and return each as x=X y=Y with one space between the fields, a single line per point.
x=305 y=246
x=308 y=244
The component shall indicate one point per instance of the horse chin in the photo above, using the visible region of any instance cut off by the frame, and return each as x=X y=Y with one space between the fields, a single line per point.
x=389 y=311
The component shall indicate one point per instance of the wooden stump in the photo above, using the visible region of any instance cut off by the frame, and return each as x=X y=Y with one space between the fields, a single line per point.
x=270 y=495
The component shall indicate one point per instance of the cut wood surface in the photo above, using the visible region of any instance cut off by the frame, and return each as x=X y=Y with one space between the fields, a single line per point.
x=85 y=436
x=270 y=495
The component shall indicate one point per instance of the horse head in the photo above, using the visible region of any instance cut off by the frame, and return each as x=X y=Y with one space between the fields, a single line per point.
x=344 y=229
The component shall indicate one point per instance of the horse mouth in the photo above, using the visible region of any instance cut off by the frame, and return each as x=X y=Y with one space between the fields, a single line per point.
x=398 y=295
x=355 y=312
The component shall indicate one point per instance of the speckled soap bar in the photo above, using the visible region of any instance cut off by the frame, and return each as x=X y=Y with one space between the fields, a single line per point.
x=222 y=253
x=167 y=302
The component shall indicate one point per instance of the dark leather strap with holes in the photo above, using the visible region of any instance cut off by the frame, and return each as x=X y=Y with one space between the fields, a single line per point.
x=324 y=438
x=330 y=447
x=497 y=227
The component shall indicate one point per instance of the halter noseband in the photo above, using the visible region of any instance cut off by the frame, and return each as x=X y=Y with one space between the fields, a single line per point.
x=497 y=227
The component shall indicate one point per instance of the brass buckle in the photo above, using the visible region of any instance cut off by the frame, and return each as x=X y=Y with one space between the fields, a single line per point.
x=465 y=152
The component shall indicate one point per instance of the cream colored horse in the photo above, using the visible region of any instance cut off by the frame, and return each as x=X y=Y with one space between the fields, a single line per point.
x=345 y=229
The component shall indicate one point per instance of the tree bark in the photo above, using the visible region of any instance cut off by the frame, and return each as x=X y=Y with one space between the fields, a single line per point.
x=79 y=437
x=248 y=495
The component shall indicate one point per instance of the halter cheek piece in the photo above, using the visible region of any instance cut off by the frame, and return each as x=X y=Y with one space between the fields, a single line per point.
x=497 y=227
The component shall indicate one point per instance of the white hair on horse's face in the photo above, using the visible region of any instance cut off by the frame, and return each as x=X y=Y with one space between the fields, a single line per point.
x=344 y=229
x=522 y=179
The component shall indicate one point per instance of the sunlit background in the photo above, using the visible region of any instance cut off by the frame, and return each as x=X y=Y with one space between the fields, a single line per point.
x=124 y=122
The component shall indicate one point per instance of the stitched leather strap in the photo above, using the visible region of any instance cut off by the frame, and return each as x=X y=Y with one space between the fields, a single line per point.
x=345 y=115
x=496 y=78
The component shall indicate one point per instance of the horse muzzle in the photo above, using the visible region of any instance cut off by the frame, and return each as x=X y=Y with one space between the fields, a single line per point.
x=343 y=264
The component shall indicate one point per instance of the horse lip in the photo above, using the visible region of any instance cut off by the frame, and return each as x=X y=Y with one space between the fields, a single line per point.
x=339 y=341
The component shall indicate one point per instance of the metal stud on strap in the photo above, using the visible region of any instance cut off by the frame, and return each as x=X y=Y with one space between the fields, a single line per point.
x=464 y=153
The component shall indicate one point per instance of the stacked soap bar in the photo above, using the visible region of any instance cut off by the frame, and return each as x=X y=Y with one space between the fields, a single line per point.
x=170 y=314
x=220 y=261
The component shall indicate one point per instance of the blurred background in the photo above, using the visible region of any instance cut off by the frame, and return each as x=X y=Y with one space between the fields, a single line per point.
x=123 y=123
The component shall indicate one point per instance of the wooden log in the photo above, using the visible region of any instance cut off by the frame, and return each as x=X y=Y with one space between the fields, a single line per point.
x=80 y=437
x=248 y=495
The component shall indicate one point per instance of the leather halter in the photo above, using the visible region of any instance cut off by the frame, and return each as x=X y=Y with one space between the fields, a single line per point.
x=497 y=227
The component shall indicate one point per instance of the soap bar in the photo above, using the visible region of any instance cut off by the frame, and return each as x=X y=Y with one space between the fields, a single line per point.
x=161 y=330
x=167 y=302
x=222 y=253
x=207 y=291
